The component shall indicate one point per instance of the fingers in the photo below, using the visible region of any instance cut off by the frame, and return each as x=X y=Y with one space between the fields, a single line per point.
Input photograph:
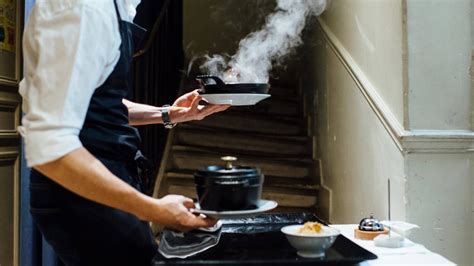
x=186 y=99
x=199 y=221
x=205 y=222
x=189 y=203
x=191 y=95
x=195 y=102
x=192 y=222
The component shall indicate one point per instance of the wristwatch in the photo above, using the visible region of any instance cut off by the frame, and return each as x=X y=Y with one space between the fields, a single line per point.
x=165 y=115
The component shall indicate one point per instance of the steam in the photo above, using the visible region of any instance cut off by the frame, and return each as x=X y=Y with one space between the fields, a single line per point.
x=256 y=53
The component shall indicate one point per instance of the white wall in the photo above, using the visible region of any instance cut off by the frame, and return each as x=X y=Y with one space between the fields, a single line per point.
x=372 y=32
x=439 y=60
x=439 y=197
x=398 y=109
x=358 y=157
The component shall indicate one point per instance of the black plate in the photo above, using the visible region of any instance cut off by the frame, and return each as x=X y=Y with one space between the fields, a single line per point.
x=258 y=241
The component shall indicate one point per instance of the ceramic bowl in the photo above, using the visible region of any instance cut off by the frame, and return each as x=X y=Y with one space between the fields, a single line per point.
x=310 y=245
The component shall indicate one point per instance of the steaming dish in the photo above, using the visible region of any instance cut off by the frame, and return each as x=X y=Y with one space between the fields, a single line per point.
x=310 y=228
x=215 y=91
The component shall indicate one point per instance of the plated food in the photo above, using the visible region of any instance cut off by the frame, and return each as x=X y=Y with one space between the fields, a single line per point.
x=311 y=228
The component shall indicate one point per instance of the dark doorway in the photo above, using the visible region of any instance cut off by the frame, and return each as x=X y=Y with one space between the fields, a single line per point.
x=158 y=70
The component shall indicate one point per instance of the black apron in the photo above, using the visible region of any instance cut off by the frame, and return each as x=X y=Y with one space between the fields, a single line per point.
x=83 y=232
x=106 y=131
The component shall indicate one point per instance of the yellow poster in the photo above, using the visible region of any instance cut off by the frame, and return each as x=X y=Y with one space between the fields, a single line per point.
x=7 y=25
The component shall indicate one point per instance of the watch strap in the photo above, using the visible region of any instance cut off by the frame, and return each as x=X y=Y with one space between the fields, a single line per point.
x=165 y=115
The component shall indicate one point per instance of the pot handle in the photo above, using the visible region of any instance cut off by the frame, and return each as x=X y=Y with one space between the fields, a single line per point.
x=228 y=161
x=204 y=80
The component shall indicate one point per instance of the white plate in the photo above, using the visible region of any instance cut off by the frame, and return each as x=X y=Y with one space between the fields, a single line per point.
x=236 y=99
x=262 y=206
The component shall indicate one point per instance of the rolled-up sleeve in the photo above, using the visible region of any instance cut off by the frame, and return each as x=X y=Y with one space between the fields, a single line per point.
x=68 y=52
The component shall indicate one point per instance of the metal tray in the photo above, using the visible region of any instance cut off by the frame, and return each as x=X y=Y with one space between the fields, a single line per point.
x=258 y=241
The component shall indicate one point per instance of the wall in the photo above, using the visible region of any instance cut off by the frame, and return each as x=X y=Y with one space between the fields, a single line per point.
x=394 y=101
x=9 y=137
x=358 y=157
x=376 y=47
x=439 y=41
x=438 y=190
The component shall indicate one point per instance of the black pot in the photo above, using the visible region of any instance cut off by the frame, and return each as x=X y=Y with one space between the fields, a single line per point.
x=214 y=85
x=228 y=188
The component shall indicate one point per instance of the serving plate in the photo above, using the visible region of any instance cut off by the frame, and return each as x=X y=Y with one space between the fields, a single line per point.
x=262 y=206
x=235 y=99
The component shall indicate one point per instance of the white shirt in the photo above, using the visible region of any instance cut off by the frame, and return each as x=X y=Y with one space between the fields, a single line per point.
x=70 y=47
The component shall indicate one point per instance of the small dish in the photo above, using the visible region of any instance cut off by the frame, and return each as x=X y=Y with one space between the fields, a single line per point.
x=310 y=245
x=262 y=206
x=235 y=99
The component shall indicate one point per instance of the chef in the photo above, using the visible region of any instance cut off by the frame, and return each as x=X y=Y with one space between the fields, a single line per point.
x=86 y=196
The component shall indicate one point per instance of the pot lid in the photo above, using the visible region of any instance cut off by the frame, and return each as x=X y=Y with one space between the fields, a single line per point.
x=370 y=224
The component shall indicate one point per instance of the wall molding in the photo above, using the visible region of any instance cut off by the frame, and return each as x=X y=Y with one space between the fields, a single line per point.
x=414 y=141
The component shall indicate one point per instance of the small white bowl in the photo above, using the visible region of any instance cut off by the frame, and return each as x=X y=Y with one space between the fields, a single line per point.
x=310 y=245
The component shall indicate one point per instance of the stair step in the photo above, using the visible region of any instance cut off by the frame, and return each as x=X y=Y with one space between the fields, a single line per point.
x=191 y=158
x=247 y=122
x=270 y=181
x=285 y=198
x=277 y=145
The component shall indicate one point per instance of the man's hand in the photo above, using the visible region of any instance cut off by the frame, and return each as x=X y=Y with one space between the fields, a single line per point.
x=173 y=211
x=187 y=108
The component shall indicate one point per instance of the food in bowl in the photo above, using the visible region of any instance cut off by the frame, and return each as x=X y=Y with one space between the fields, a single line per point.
x=311 y=228
x=310 y=244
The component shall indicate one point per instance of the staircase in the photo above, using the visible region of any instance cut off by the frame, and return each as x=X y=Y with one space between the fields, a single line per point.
x=271 y=135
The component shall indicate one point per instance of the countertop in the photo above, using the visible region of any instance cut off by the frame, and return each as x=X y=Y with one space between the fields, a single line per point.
x=414 y=254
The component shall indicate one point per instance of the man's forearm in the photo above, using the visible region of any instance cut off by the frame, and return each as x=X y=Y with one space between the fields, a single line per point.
x=143 y=114
x=185 y=108
x=80 y=172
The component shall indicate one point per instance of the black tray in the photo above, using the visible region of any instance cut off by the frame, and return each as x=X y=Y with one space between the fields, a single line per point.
x=258 y=241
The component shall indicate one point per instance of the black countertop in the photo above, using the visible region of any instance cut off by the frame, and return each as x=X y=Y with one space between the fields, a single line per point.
x=258 y=241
